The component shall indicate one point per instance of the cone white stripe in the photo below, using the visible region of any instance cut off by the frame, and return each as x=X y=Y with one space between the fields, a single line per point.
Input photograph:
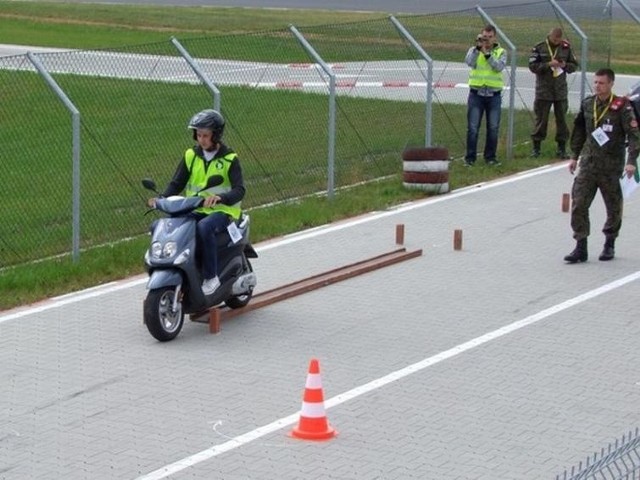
x=313 y=410
x=314 y=381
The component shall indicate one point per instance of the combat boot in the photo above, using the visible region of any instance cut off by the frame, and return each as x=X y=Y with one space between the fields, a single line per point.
x=579 y=253
x=608 y=252
x=535 y=153
x=562 y=151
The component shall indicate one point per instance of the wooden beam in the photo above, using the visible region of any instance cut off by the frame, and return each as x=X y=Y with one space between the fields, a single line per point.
x=216 y=314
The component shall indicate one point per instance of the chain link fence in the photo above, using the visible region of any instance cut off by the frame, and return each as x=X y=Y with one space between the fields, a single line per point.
x=619 y=461
x=134 y=104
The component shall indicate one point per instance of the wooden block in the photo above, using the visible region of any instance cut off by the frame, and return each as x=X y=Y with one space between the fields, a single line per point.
x=400 y=234
x=214 y=320
x=457 y=239
x=566 y=201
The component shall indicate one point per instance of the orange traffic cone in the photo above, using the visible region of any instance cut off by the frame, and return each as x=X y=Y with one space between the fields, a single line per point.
x=313 y=424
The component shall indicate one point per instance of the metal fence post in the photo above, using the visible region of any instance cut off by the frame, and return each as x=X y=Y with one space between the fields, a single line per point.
x=332 y=108
x=512 y=81
x=584 y=51
x=403 y=31
x=627 y=9
x=75 y=123
x=198 y=71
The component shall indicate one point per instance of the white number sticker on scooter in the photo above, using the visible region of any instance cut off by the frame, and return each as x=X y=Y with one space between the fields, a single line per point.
x=234 y=232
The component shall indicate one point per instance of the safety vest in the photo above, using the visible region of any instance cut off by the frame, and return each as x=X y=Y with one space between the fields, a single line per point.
x=199 y=176
x=483 y=75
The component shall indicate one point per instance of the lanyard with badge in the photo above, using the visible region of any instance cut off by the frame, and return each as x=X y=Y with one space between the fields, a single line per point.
x=552 y=54
x=599 y=134
x=557 y=71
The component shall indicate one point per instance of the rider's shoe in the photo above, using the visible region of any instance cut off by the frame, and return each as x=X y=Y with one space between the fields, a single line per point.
x=210 y=285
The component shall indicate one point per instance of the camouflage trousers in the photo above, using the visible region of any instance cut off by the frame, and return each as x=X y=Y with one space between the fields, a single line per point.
x=542 y=108
x=585 y=186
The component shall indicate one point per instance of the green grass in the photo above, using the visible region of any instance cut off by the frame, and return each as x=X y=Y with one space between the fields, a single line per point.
x=74 y=25
x=117 y=151
x=346 y=34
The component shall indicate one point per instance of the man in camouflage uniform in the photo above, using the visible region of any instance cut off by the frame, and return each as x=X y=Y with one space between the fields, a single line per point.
x=600 y=132
x=551 y=60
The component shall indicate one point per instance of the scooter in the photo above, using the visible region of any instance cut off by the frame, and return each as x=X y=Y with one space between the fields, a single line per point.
x=174 y=267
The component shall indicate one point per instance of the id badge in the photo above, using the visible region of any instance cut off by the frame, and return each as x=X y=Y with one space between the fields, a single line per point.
x=600 y=136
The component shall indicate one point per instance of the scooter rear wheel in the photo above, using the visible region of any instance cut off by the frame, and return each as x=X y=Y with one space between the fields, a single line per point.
x=243 y=300
x=162 y=322
x=239 y=301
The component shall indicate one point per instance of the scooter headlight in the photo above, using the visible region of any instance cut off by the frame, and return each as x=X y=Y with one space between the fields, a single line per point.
x=169 y=249
x=156 y=250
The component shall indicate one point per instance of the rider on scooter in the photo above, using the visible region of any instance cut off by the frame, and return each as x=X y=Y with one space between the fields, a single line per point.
x=222 y=204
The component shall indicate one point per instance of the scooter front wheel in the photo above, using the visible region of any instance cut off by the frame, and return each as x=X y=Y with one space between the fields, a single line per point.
x=162 y=321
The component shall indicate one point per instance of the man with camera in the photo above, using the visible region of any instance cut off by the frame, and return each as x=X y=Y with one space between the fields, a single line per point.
x=487 y=60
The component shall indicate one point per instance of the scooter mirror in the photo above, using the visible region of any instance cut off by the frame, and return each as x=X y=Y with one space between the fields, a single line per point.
x=149 y=184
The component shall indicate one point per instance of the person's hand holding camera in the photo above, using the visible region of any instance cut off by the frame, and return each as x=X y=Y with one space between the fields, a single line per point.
x=479 y=42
